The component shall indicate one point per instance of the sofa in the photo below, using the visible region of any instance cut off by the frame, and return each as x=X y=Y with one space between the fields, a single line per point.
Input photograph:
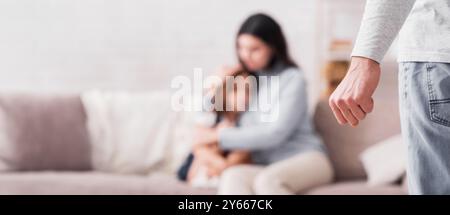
x=45 y=149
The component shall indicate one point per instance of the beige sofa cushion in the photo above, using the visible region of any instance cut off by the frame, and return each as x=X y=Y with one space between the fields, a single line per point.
x=42 y=132
x=94 y=183
x=385 y=162
x=357 y=188
x=346 y=143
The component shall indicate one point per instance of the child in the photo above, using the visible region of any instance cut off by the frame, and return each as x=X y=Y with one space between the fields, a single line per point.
x=204 y=165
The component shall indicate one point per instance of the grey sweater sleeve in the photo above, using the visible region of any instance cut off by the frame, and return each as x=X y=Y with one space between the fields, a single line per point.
x=381 y=23
x=292 y=108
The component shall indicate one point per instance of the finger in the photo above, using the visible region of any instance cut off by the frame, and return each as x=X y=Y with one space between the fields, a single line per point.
x=355 y=109
x=353 y=121
x=367 y=105
x=337 y=113
x=346 y=112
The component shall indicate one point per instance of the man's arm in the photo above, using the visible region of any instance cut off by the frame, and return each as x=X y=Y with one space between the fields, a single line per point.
x=381 y=23
x=382 y=20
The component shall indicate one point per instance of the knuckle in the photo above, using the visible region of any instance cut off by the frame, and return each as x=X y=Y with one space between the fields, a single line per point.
x=349 y=100
x=368 y=108
x=331 y=101
x=358 y=99
x=340 y=102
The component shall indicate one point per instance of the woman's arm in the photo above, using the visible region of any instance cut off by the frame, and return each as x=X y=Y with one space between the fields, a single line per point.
x=238 y=157
x=292 y=107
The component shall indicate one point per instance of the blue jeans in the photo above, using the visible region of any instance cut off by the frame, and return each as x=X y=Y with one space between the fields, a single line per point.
x=425 y=118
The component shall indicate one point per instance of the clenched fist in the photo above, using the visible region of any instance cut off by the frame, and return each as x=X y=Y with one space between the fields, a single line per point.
x=352 y=100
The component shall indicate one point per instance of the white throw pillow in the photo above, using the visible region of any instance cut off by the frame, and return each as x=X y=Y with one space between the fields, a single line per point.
x=385 y=162
x=129 y=132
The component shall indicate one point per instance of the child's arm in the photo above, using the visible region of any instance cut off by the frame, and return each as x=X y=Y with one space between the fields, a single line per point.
x=238 y=157
x=211 y=157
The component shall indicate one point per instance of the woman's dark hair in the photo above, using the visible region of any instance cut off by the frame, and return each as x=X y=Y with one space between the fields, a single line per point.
x=268 y=30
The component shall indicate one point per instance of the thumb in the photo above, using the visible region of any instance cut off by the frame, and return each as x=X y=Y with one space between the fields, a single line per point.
x=367 y=105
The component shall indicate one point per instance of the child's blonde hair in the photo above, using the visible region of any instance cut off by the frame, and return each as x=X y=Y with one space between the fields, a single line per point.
x=223 y=94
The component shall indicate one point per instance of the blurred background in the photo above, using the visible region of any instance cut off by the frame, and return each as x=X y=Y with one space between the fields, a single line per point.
x=71 y=46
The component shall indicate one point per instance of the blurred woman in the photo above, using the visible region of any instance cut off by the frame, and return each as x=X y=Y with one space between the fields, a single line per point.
x=287 y=156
